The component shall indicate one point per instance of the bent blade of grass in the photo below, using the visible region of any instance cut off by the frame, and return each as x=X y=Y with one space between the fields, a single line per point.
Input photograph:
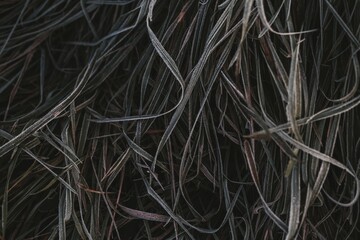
x=261 y=10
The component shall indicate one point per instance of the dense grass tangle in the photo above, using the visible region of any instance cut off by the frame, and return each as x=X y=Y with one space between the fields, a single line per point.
x=189 y=119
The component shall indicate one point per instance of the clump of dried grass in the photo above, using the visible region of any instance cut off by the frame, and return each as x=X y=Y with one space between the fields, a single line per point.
x=179 y=119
